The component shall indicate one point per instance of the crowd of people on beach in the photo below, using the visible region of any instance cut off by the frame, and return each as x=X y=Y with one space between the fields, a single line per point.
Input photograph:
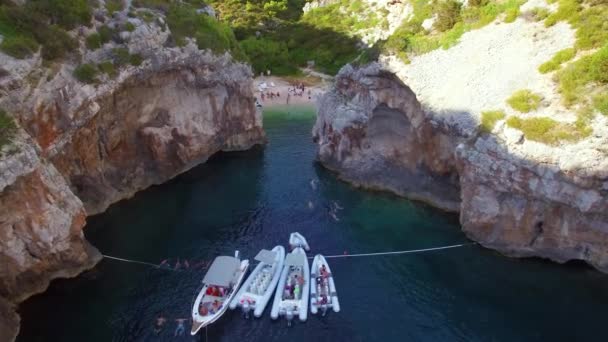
x=298 y=90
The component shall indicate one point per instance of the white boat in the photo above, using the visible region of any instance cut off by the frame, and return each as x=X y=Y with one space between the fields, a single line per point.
x=297 y=240
x=220 y=285
x=323 y=293
x=259 y=287
x=291 y=297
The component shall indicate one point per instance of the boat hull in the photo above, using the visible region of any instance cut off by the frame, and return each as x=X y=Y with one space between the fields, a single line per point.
x=198 y=321
x=332 y=294
x=281 y=306
x=255 y=301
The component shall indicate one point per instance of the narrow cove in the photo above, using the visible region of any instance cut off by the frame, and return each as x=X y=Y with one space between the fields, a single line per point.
x=252 y=200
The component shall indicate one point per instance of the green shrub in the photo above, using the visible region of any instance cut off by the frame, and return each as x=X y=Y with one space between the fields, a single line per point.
x=105 y=34
x=67 y=13
x=8 y=128
x=524 y=101
x=477 y=3
x=93 y=41
x=86 y=73
x=557 y=60
x=19 y=46
x=489 y=119
x=549 y=131
x=592 y=28
x=107 y=67
x=511 y=14
x=121 y=56
x=57 y=43
x=162 y=5
x=448 y=14
x=135 y=59
x=567 y=10
x=600 y=102
x=145 y=16
x=599 y=65
x=114 y=6
x=129 y=27
x=539 y=13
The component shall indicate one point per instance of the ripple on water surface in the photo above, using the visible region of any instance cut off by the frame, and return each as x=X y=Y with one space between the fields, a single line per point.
x=252 y=200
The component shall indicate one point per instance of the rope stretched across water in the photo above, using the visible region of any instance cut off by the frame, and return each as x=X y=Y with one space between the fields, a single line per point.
x=397 y=252
x=411 y=251
x=131 y=261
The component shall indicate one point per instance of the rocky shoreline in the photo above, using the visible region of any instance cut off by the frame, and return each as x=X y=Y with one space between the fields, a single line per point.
x=373 y=132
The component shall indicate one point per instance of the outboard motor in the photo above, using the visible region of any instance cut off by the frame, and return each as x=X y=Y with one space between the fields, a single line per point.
x=323 y=309
x=246 y=309
x=289 y=316
x=237 y=255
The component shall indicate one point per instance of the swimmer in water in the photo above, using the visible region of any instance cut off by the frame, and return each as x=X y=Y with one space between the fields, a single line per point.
x=181 y=329
x=333 y=215
x=159 y=324
x=313 y=184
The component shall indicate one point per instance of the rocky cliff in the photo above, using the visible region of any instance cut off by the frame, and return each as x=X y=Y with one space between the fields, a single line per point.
x=81 y=147
x=372 y=130
x=517 y=196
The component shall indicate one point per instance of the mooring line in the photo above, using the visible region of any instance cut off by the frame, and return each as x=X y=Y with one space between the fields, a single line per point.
x=138 y=262
x=410 y=251
x=396 y=252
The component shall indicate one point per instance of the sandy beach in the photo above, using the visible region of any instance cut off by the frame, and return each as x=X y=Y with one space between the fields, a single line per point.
x=283 y=90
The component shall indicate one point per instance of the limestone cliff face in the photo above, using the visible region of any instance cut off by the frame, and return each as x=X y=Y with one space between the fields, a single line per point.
x=531 y=207
x=82 y=147
x=41 y=237
x=373 y=132
x=154 y=123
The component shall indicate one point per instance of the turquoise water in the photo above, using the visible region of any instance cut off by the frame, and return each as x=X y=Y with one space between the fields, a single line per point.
x=252 y=200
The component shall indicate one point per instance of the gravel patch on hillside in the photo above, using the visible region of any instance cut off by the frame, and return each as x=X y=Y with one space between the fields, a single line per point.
x=484 y=69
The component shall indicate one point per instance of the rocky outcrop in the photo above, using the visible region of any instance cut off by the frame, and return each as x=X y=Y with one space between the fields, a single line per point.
x=154 y=122
x=41 y=223
x=519 y=197
x=371 y=130
x=82 y=147
x=530 y=207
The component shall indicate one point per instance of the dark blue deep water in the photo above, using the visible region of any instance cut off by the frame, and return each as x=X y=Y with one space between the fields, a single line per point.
x=252 y=200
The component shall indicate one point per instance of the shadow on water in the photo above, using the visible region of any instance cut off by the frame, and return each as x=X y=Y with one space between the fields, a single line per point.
x=252 y=200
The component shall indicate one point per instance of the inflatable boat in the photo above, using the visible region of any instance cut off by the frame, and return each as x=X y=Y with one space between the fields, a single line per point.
x=297 y=240
x=259 y=287
x=220 y=284
x=323 y=293
x=291 y=298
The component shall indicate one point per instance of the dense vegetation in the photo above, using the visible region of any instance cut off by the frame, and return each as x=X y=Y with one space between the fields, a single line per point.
x=276 y=36
x=184 y=21
x=41 y=23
